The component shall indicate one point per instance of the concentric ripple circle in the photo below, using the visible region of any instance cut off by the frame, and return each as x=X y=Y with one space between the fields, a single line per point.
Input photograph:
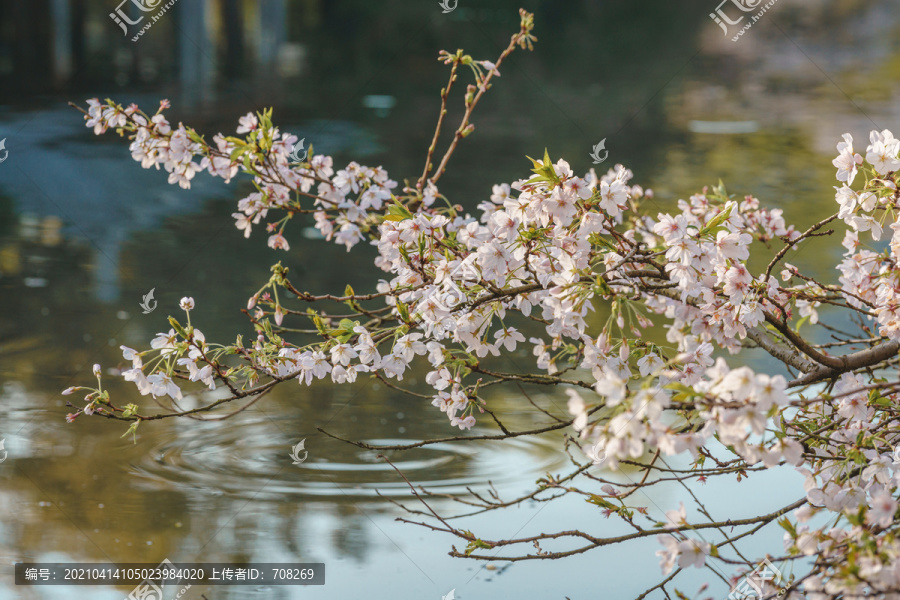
x=253 y=460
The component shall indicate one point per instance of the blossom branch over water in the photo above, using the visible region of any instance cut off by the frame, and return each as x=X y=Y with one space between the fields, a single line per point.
x=461 y=291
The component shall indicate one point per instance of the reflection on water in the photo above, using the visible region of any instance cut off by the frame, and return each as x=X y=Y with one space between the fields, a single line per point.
x=85 y=233
x=247 y=459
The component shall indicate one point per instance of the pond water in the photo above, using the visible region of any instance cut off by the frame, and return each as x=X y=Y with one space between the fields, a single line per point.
x=85 y=233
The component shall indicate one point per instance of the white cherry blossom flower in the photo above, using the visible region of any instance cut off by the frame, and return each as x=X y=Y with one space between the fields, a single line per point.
x=882 y=508
x=847 y=162
x=577 y=409
x=162 y=384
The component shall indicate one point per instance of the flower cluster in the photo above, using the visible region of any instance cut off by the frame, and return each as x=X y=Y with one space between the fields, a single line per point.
x=869 y=278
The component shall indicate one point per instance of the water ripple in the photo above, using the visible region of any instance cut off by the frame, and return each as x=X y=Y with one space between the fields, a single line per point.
x=246 y=459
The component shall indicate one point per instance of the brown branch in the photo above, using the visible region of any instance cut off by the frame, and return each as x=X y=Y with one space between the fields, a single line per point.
x=599 y=542
x=531 y=378
x=786 y=354
x=437 y=131
x=519 y=38
x=849 y=362
x=458 y=438
x=790 y=244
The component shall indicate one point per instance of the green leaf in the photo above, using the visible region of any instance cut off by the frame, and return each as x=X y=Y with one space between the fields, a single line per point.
x=679 y=387
x=545 y=171
x=600 y=241
x=882 y=401
x=132 y=429
x=403 y=310
x=319 y=323
x=788 y=526
x=265 y=119
x=684 y=392
x=601 y=502
x=537 y=179
x=238 y=152
x=195 y=137
x=476 y=544
x=177 y=327
x=718 y=219
x=857 y=456
x=397 y=212
x=604 y=288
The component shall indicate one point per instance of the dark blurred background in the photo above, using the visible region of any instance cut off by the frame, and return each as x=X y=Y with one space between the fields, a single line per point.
x=329 y=61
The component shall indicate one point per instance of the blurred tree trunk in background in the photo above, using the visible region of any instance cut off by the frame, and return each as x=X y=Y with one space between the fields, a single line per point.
x=233 y=55
x=195 y=52
x=32 y=45
x=79 y=40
